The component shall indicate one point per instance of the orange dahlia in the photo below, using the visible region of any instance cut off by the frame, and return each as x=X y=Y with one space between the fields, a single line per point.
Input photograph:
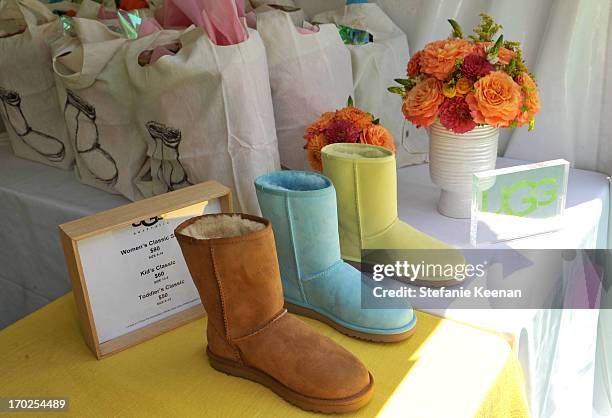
x=313 y=147
x=318 y=126
x=357 y=117
x=414 y=65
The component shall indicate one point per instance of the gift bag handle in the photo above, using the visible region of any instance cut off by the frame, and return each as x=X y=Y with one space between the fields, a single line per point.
x=99 y=44
x=32 y=10
x=282 y=19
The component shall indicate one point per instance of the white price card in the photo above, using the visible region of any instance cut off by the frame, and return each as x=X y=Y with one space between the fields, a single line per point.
x=136 y=275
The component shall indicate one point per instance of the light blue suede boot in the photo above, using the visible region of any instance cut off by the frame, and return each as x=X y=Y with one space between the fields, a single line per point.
x=316 y=282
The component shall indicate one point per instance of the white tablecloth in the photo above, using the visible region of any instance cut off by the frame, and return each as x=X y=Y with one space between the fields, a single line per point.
x=555 y=346
x=34 y=200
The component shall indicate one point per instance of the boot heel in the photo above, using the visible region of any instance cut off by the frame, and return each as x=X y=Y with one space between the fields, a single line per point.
x=228 y=367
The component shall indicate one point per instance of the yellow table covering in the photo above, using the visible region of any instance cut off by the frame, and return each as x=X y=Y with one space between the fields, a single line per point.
x=445 y=370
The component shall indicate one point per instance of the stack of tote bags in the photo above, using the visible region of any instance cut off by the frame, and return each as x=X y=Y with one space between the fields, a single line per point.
x=97 y=101
x=28 y=99
x=141 y=129
x=211 y=109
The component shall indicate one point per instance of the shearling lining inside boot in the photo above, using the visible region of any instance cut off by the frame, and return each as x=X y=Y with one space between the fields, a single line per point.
x=357 y=152
x=222 y=226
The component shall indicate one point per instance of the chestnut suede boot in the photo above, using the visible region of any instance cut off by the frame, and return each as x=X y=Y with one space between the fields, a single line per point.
x=232 y=260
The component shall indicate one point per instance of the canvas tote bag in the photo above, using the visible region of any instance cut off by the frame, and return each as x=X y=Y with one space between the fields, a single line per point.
x=310 y=73
x=296 y=14
x=205 y=113
x=97 y=102
x=28 y=98
x=375 y=66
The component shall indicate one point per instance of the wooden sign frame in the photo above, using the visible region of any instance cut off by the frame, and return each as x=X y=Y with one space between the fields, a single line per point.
x=90 y=226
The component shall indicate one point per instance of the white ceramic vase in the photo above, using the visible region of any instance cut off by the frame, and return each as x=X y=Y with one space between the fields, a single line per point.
x=454 y=158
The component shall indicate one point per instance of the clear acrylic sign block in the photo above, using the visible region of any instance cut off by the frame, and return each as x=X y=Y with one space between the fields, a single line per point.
x=517 y=202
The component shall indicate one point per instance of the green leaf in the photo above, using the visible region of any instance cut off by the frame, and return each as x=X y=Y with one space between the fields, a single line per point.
x=397 y=90
x=531 y=124
x=349 y=102
x=407 y=84
x=457 y=31
x=499 y=43
x=376 y=121
x=494 y=50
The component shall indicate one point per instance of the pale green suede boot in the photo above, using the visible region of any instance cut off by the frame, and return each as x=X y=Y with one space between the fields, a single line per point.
x=365 y=178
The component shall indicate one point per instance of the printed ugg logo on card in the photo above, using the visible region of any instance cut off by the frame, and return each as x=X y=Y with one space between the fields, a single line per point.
x=148 y=222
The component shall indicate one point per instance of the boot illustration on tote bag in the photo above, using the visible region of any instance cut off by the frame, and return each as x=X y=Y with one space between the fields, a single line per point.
x=87 y=140
x=46 y=145
x=167 y=140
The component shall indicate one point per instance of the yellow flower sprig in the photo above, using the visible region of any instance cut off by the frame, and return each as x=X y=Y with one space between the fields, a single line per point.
x=486 y=30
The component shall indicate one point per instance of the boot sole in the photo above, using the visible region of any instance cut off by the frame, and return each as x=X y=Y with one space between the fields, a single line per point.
x=378 y=338
x=326 y=406
x=425 y=283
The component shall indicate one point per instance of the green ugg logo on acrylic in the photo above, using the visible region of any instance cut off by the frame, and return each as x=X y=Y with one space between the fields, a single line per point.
x=530 y=191
x=518 y=201
x=535 y=195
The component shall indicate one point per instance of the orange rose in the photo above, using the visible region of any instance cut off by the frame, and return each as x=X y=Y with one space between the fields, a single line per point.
x=421 y=104
x=504 y=55
x=378 y=135
x=414 y=65
x=439 y=57
x=496 y=100
x=318 y=126
x=531 y=98
x=313 y=147
x=357 y=117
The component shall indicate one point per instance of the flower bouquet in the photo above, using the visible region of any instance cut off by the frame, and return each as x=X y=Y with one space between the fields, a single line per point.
x=348 y=124
x=464 y=90
x=469 y=82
